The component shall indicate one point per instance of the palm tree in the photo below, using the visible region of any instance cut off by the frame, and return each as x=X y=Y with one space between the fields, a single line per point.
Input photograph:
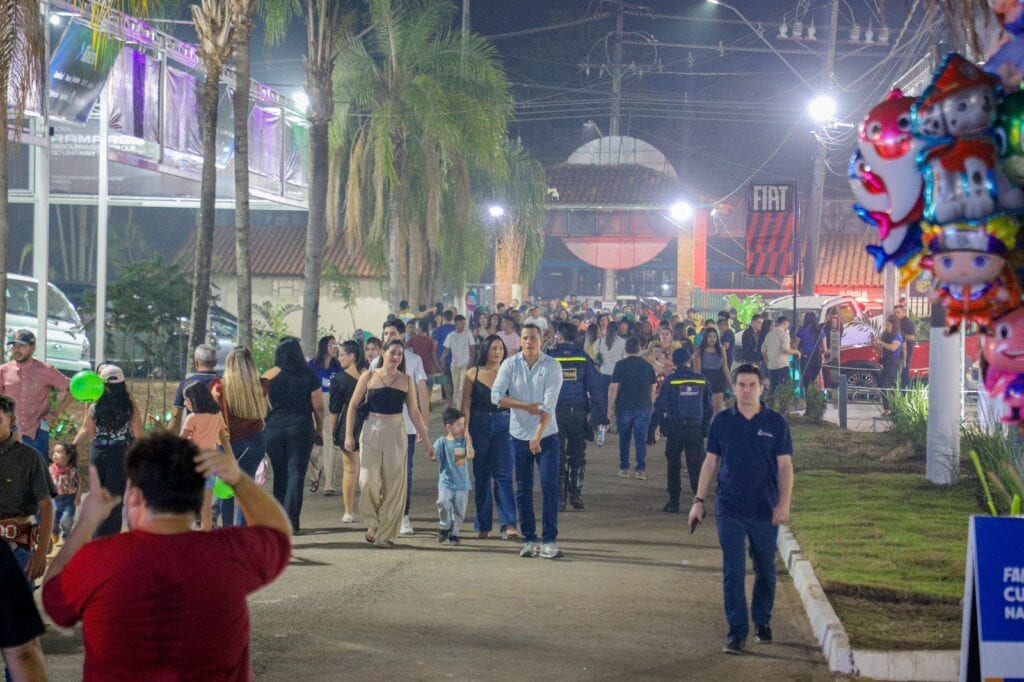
x=425 y=111
x=22 y=64
x=213 y=26
x=323 y=28
x=520 y=234
x=243 y=14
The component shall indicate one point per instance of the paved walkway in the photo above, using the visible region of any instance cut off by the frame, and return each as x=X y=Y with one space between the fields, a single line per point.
x=636 y=597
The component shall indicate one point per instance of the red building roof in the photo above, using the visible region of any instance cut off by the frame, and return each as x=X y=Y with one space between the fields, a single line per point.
x=843 y=262
x=281 y=251
x=631 y=186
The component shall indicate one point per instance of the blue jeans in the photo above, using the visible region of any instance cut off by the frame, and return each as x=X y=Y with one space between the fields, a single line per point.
x=633 y=423
x=733 y=533
x=22 y=555
x=63 y=514
x=493 y=447
x=410 y=451
x=600 y=406
x=289 y=447
x=249 y=451
x=547 y=462
x=109 y=458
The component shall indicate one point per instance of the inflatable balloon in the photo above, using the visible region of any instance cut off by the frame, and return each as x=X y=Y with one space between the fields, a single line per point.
x=962 y=176
x=1004 y=353
x=1009 y=126
x=221 y=490
x=87 y=386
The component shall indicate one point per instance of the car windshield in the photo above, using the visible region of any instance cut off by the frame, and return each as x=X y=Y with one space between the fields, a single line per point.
x=21 y=300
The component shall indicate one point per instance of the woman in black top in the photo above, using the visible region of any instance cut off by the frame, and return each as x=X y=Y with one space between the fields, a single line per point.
x=383 y=474
x=294 y=423
x=343 y=386
x=487 y=435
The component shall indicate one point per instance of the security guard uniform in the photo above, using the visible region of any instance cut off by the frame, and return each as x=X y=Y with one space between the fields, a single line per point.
x=580 y=389
x=683 y=410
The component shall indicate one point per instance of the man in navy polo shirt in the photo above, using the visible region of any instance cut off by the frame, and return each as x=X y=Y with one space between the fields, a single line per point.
x=749 y=452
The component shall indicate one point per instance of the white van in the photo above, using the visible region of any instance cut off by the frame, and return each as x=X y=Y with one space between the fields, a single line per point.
x=67 y=348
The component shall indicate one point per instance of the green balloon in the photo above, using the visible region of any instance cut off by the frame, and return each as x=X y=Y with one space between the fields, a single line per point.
x=87 y=386
x=222 y=491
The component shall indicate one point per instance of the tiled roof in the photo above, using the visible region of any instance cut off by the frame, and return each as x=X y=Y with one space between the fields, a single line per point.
x=842 y=260
x=620 y=185
x=281 y=251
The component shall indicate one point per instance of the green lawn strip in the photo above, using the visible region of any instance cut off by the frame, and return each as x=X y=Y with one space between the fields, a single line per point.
x=887 y=546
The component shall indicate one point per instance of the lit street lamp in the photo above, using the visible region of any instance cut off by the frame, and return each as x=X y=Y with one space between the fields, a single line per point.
x=823 y=109
x=301 y=100
x=495 y=211
x=680 y=211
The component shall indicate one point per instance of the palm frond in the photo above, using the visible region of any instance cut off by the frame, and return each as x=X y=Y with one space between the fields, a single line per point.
x=22 y=56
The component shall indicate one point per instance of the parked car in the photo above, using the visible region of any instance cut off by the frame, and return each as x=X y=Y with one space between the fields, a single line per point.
x=67 y=347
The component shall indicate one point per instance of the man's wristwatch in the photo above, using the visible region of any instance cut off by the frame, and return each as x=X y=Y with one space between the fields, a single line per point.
x=698 y=500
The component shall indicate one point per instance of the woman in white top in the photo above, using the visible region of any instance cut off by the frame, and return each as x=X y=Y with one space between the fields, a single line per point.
x=610 y=349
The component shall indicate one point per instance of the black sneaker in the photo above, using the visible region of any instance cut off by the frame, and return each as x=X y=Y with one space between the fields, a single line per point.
x=734 y=647
x=442 y=536
x=454 y=540
x=763 y=634
x=671 y=508
x=577 y=503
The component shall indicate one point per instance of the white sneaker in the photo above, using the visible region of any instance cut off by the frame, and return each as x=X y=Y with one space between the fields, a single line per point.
x=623 y=473
x=406 y=528
x=549 y=550
x=348 y=518
x=528 y=550
x=641 y=475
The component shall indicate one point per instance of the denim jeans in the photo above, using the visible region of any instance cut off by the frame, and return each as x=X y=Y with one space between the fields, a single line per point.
x=289 y=447
x=109 y=458
x=63 y=514
x=493 y=462
x=22 y=555
x=633 y=423
x=547 y=462
x=41 y=443
x=409 y=452
x=733 y=533
x=249 y=451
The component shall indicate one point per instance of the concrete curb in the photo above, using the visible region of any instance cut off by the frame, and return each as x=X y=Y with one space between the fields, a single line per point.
x=939 y=666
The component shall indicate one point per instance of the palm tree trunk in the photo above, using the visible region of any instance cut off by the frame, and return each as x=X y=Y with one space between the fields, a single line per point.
x=5 y=226
x=315 y=234
x=243 y=11
x=207 y=210
x=394 y=251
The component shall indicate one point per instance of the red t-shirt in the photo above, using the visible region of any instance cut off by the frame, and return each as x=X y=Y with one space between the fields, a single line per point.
x=423 y=346
x=167 y=607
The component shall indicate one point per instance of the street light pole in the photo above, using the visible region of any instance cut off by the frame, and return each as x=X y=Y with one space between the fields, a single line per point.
x=813 y=232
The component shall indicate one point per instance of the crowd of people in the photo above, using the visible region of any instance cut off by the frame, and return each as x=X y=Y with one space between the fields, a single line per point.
x=527 y=385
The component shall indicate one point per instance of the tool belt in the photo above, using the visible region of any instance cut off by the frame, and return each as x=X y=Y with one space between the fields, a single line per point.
x=19 y=532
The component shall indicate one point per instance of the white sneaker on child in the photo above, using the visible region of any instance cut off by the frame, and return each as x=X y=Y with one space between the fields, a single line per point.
x=406 y=528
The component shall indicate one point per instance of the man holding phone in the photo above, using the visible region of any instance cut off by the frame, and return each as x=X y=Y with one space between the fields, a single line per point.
x=749 y=453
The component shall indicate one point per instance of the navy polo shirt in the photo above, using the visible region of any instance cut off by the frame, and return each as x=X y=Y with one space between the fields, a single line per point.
x=748 y=478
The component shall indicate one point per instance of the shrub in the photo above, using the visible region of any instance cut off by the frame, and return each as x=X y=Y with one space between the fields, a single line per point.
x=269 y=327
x=783 y=398
x=998 y=460
x=910 y=416
x=817 y=402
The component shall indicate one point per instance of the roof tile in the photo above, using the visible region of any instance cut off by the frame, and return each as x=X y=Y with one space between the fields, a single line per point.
x=615 y=185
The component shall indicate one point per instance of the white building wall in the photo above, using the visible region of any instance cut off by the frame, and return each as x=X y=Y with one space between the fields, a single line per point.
x=369 y=311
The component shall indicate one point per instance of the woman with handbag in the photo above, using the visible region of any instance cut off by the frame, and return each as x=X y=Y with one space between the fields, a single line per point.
x=383 y=473
x=293 y=424
x=243 y=402
x=343 y=387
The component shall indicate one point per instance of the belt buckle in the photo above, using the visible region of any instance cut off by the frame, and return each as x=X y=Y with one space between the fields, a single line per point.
x=9 y=532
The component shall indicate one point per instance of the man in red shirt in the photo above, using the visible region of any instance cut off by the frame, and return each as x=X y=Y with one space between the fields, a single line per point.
x=163 y=601
x=29 y=381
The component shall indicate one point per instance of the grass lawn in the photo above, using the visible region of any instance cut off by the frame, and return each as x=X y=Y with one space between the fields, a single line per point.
x=888 y=547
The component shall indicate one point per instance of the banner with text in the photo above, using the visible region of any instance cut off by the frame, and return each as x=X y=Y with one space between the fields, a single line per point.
x=771 y=229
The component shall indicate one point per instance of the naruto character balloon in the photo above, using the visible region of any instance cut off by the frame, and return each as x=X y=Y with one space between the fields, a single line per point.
x=1009 y=126
x=886 y=181
x=963 y=180
x=973 y=281
x=1004 y=353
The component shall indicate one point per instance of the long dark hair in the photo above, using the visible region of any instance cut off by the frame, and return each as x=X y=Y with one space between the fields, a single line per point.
x=611 y=333
x=387 y=347
x=485 y=349
x=353 y=348
x=322 y=352
x=198 y=393
x=810 y=320
x=114 y=409
x=704 y=341
x=288 y=356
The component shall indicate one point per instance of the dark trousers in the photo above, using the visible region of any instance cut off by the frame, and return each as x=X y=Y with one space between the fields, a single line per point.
x=108 y=457
x=572 y=432
x=493 y=463
x=409 y=452
x=905 y=370
x=547 y=462
x=633 y=424
x=289 y=448
x=249 y=451
x=601 y=400
x=778 y=378
x=733 y=533
x=887 y=380
x=810 y=368
x=688 y=437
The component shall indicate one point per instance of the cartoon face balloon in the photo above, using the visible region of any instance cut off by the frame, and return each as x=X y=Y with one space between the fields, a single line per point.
x=889 y=151
x=1004 y=353
x=959 y=102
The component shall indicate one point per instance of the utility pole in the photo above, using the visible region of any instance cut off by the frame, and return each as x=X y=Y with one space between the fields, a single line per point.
x=813 y=233
x=613 y=127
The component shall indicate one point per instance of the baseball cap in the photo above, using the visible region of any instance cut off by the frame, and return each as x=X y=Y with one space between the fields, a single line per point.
x=22 y=337
x=112 y=374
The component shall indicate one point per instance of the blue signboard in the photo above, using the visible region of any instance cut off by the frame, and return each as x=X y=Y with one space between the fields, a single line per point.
x=993 y=624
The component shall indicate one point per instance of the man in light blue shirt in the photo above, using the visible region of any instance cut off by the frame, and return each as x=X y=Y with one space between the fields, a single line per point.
x=529 y=383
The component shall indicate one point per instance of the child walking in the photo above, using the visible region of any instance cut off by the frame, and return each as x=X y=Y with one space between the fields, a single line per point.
x=64 y=472
x=453 y=484
x=205 y=427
